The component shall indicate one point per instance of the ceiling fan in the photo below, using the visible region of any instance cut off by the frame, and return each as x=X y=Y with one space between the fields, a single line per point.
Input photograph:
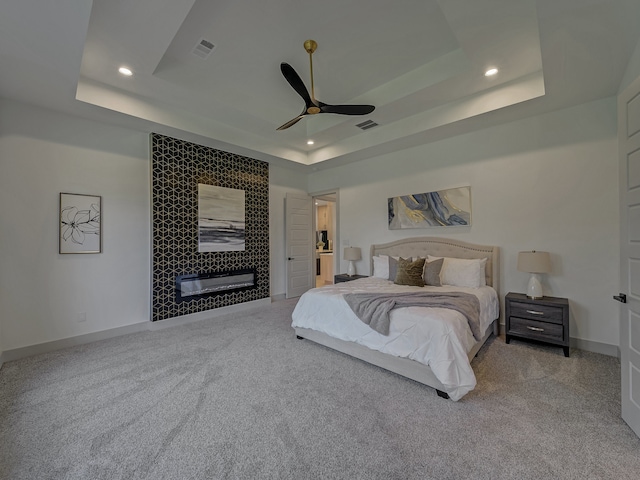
x=312 y=106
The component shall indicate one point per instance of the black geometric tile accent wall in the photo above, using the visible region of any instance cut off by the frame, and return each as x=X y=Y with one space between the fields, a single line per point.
x=177 y=167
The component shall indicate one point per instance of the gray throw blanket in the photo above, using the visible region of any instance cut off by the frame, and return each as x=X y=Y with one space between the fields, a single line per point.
x=373 y=308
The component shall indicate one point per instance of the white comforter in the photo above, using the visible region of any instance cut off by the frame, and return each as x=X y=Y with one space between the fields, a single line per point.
x=437 y=337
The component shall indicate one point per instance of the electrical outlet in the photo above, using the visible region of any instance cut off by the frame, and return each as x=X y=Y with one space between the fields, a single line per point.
x=82 y=317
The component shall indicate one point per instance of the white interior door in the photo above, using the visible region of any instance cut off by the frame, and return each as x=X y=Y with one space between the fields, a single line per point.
x=299 y=244
x=629 y=152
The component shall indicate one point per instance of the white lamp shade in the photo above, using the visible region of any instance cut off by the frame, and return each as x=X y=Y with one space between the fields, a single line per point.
x=534 y=262
x=352 y=253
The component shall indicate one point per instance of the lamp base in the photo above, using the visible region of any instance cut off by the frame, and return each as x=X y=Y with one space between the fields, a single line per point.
x=351 y=269
x=534 y=289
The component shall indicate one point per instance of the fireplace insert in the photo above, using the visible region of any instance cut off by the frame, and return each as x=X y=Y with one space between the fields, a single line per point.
x=200 y=285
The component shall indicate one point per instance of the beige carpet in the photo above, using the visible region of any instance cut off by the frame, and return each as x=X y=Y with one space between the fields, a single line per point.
x=240 y=397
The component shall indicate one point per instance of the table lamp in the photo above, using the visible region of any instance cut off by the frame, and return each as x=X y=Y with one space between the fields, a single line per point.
x=534 y=263
x=352 y=254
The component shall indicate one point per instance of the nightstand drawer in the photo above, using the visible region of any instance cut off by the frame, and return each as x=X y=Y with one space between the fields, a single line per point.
x=543 y=319
x=544 y=313
x=535 y=329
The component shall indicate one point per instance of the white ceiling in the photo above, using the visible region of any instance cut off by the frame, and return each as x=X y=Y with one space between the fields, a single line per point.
x=420 y=62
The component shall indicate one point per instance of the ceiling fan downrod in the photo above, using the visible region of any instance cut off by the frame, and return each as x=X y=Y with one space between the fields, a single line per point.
x=310 y=47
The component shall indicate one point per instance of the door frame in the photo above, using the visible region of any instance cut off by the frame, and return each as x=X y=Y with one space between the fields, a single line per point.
x=336 y=224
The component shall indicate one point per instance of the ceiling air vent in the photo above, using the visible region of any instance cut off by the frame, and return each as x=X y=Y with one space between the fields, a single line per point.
x=203 y=49
x=366 y=125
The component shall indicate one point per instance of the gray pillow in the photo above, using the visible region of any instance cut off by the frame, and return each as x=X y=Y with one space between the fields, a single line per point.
x=432 y=272
x=393 y=269
x=410 y=273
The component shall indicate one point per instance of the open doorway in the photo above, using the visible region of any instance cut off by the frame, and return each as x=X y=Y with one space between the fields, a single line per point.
x=325 y=235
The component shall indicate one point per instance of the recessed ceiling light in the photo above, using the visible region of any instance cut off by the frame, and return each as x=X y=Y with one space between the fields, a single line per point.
x=125 y=71
x=490 y=72
x=310 y=142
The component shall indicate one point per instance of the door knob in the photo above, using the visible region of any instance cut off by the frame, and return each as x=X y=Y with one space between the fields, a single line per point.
x=290 y=258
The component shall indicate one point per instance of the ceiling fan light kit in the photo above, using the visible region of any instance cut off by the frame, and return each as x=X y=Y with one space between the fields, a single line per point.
x=312 y=106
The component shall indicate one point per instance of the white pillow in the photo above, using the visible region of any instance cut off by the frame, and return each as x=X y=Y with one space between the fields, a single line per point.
x=461 y=272
x=381 y=266
x=483 y=272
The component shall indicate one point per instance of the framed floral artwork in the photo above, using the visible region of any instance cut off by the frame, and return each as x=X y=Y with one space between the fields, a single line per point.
x=80 y=223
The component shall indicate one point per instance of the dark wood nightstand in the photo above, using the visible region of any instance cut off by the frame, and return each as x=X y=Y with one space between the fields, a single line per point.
x=343 y=277
x=545 y=319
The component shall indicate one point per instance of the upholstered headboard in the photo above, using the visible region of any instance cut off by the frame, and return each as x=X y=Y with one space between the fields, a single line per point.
x=443 y=247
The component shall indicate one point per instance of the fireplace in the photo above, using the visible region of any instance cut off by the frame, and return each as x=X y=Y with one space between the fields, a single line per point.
x=200 y=285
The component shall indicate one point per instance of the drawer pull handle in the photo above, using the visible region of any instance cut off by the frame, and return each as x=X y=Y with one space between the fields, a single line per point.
x=535 y=312
x=536 y=329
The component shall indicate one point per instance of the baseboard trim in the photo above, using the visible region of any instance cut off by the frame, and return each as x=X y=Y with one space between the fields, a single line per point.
x=277 y=298
x=46 y=347
x=595 y=347
x=586 y=345
x=207 y=314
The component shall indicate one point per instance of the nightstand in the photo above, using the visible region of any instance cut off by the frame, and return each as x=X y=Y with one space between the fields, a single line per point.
x=545 y=319
x=343 y=277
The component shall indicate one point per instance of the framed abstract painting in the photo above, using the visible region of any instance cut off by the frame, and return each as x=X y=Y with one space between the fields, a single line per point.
x=442 y=208
x=80 y=223
x=221 y=219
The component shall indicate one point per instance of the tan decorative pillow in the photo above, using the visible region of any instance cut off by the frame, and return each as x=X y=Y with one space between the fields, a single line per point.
x=410 y=273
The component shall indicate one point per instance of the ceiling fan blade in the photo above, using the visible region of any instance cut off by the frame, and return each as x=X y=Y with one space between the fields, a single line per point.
x=312 y=105
x=291 y=122
x=348 y=109
x=296 y=82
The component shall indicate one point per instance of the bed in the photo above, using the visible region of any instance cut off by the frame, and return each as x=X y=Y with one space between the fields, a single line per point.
x=431 y=345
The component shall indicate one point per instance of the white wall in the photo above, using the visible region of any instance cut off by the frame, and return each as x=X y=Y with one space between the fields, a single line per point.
x=546 y=183
x=42 y=293
x=633 y=69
